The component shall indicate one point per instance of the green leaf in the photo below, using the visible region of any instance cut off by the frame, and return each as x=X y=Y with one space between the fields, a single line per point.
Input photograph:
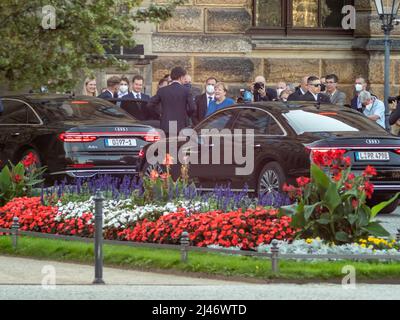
x=379 y=207
x=342 y=236
x=288 y=210
x=320 y=178
x=324 y=219
x=308 y=210
x=375 y=229
x=332 y=198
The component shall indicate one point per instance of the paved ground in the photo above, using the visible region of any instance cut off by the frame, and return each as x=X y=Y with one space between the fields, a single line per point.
x=22 y=279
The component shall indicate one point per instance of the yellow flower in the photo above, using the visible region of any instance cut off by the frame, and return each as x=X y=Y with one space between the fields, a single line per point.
x=363 y=246
x=309 y=241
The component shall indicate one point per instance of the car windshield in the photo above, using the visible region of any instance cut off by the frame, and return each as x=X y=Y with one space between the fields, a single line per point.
x=303 y=121
x=78 y=110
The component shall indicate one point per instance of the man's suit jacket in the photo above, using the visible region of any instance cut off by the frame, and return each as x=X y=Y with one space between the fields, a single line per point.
x=296 y=96
x=107 y=95
x=137 y=109
x=201 y=108
x=177 y=104
x=323 y=98
x=338 y=98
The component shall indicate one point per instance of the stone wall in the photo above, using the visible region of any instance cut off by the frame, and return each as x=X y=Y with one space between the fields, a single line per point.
x=211 y=38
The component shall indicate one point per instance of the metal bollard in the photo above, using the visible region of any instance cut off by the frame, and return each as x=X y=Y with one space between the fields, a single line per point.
x=14 y=232
x=184 y=246
x=275 y=256
x=398 y=235
x=98 y=238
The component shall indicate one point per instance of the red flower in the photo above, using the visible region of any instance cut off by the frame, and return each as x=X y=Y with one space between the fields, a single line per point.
x=17 y=178
x=29 y=160
x=303 y=181
x=168 y=160
x=369 y=172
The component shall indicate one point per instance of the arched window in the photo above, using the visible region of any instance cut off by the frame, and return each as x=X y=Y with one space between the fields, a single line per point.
x=299 y=17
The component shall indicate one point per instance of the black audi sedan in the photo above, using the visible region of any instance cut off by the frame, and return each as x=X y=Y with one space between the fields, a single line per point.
x=72 y=136
x=285 y=137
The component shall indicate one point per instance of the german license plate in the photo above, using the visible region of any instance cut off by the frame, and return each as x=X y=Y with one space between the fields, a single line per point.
x=121 y=143
x=372 y=156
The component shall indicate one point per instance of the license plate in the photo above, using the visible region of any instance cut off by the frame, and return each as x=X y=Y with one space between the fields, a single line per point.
x=372 y=156
x=121 y=143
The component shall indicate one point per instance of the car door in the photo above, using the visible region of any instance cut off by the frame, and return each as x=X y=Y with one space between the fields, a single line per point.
x=267 y=139
x=16 y=120
x=210 y=142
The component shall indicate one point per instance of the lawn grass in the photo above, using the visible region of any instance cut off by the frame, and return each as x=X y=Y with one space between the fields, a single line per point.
x=204 y=263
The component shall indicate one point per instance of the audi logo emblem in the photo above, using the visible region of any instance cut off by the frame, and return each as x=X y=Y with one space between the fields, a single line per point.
x=373 y=141
x=121 y=129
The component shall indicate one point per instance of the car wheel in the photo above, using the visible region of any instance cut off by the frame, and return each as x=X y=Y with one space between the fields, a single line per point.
x=391 y=208
x=148 y=168
x=271 y=179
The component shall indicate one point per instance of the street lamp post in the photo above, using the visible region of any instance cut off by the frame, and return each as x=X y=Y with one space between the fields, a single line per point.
x=387 y=11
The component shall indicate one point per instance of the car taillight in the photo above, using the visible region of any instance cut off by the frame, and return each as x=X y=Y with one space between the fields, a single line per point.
x=77 y=137
x=151 y=137
x=81 y=166
x=397 y=151
x=141 y=154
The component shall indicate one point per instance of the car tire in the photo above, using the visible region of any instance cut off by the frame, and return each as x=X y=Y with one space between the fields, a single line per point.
x=391 y=208
x=147 y=168
x=271 y=179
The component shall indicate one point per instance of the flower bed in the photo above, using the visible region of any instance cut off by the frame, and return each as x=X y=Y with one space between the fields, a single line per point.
x=244 y=229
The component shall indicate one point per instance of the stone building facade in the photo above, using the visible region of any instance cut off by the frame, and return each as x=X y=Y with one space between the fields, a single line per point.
x=222 y=38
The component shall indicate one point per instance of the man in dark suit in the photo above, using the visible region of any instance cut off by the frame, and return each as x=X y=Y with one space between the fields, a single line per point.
x=177 y=103
x=138 y=107
x=300 y=91
x=360 y=85
x=314 y=91
x=112 y=88
x=202 y=101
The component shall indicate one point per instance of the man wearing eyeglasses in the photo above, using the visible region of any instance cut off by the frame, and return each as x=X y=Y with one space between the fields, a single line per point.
x=314 y=91
x=336 y=97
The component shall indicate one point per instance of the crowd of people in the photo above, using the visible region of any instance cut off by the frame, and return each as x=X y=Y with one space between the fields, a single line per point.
x=176 y=99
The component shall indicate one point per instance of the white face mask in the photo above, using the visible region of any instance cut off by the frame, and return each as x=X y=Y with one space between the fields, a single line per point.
x=279 y=91
x=369 y=106
x=210 y=89
x=123 y=88
x=358 y=87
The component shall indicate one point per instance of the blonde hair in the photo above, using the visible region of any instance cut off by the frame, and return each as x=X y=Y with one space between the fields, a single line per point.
x=222 y=85
x=84 y=90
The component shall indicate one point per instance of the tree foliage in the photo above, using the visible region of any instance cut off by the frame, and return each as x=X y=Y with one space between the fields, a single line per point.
x=33 y=55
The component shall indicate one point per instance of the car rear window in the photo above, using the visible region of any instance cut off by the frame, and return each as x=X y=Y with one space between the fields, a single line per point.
x=303 y=121
x=78 y=110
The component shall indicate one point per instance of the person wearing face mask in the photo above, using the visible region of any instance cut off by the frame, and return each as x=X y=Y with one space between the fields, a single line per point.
x=374 y=109
x=123 y=89
x=280 y=87
x=202 y=101
x=360 y=85
x=136 y=106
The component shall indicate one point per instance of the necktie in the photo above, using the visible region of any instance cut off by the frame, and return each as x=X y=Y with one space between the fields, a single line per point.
x=209 y=100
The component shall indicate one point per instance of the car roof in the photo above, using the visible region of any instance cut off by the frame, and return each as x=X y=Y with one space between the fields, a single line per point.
x=41 y=97
x=283 y=107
